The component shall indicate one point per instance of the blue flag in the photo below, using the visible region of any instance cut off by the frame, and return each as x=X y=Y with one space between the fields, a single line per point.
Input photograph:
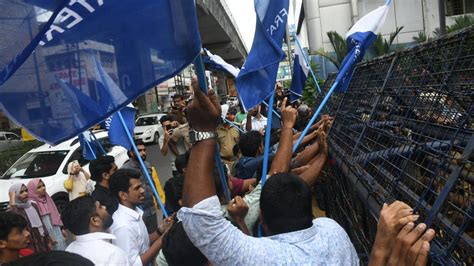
x=359 y=38
x=256 y=80
x=300 y=74
x=117 y=134
x=215 y=62
x=88 y=146
x=105 y=53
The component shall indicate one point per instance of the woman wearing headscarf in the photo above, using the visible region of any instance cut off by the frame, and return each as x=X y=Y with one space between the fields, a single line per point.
x=79 y=179
x=20 y=204
x=48 y=212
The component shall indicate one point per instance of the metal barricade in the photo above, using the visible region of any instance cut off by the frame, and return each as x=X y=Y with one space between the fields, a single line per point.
x=405 y=130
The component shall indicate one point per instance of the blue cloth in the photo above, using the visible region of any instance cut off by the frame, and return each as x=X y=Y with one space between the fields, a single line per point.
x=247 y=166
x=88 y=146
x=117 y=134
x=324 y=243
x=256 y=79
x=300 y=75
x=359 y=38
x=110 y=51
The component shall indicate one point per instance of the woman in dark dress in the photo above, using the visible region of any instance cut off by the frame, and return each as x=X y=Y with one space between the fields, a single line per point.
x=20 y=204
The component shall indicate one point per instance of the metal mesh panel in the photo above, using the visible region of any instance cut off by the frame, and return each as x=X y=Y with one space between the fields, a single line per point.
x=404 y=130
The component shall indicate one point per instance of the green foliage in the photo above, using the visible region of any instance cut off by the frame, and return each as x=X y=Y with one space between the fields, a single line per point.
x=460 y=23
x=381 y=46
x=421 y=38
x=310 y=92
x=340 y=49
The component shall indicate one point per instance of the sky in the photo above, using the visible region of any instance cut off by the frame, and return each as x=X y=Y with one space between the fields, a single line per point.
x=244 y=15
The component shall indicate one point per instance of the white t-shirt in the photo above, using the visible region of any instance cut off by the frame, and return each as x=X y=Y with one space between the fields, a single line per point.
x=96 y=248
x=130 y=232
x=258 y=124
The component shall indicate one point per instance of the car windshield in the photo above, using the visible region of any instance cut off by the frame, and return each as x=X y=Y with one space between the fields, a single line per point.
x=36 y=164
x=146 y=121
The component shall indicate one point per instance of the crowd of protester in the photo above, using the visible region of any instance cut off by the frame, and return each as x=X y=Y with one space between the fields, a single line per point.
x=269 y=219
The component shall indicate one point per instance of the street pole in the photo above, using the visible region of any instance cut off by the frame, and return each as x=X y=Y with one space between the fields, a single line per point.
x=442 y=17
x=288 y=44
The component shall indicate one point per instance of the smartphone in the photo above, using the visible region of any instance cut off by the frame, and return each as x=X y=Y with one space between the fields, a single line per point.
x=168 y=127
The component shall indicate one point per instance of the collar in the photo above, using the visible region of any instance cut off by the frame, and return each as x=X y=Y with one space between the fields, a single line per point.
x=95 y=236
x=136 y=214
x=296 y=236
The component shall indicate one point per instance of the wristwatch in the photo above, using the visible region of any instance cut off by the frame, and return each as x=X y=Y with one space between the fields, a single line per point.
x=196 y=136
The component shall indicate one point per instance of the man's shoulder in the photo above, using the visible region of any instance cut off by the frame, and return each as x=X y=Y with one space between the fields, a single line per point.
x=128 y=165
x=329 y=227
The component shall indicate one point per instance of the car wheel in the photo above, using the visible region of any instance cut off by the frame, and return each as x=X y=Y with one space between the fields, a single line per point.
x=61 y=201
x=156 y=138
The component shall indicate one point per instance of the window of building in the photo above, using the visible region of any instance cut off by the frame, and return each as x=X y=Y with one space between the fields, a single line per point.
x=459 y=7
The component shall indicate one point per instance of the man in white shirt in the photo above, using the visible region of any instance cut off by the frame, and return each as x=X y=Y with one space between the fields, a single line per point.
x=254 y=121
x=128 y=227
x=89 y=221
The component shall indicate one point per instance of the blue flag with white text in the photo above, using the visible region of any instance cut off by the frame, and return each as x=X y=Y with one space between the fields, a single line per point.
x=68 y=65
x=256 y=79
x=359 y=38
x=300 y=74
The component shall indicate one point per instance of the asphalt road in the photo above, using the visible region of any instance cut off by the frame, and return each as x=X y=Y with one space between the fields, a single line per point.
x=161 y=163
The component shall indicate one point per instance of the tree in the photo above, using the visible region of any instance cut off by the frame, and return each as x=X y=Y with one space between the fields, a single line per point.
x=421 y=38
x=381 y=46
x=339 y=45
x=460 y=23
x=340 y=48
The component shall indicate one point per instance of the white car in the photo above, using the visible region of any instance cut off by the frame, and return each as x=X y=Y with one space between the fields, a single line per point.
x=50 y=164
x=9 y=140
x=148 y=128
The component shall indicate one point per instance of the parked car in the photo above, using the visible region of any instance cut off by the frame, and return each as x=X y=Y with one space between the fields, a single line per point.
x=9 y=140
x=148 y=128
x=50 y=164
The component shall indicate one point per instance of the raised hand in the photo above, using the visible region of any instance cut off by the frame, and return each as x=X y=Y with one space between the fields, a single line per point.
x=412 y=245
x=393 y=218
x=203 y=111
x=237 y=209
x=288 y=115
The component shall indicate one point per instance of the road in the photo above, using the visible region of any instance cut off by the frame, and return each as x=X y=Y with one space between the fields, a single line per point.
x=161 y=163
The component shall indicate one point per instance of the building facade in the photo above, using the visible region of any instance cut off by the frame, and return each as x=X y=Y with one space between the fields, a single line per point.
x=322 y=16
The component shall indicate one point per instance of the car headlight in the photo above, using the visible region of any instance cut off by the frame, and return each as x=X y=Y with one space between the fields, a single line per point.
x=148 y=131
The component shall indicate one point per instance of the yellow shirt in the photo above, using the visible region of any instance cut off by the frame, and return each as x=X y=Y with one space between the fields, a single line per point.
x=228 y=137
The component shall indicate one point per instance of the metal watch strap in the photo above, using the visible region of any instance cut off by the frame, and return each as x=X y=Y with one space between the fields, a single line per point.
x=196 y=136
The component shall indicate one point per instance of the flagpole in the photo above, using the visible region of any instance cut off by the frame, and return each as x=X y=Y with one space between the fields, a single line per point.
x=275 y=112
x=308 y=63
x=315 y=116
x=267 y=139
x=142 y=164
x=203 y=86
x=233 y=125
x=89 y=146
x=98 y=143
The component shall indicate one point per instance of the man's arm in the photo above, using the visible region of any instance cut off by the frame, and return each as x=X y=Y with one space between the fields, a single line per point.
x=305 y=156
x=203 y=115
x=174 y=149
x=248 y=125
x=282 y=159
x=164 y=142
x=316 y=167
